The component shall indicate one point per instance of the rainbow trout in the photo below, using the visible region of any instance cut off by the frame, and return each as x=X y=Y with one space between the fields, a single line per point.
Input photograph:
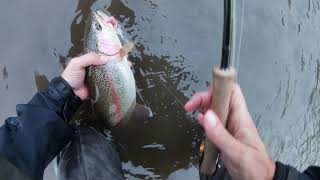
x=112 y=86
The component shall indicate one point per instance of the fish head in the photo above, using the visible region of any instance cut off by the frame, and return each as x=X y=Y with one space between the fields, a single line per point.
x=101 y=34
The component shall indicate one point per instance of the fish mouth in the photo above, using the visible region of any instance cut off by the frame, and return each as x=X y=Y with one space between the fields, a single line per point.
x=101 y=17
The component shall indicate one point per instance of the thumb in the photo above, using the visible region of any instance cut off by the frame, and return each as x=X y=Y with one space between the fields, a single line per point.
x=218 y=135
x=91 y=59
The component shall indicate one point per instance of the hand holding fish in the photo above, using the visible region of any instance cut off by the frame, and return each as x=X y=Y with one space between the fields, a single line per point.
x=242 y=149
x=74 y=73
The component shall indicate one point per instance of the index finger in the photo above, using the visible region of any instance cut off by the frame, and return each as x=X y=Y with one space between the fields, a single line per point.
x=90 y=59
x=199 y=100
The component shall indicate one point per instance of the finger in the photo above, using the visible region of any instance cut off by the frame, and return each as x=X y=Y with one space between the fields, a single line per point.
x=90 y=59
x=199 y=100
x=82 y=92
x=237 y=98
x=200 y=118
x=238 y=109
x=219 y=136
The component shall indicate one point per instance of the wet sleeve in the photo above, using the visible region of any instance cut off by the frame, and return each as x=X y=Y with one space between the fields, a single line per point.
x=31 y=140
x=286 y=172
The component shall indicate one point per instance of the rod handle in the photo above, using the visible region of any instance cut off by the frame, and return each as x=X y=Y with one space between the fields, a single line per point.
x=223 y=81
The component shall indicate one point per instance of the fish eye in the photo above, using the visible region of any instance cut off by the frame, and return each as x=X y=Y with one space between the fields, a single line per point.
x=98 y=27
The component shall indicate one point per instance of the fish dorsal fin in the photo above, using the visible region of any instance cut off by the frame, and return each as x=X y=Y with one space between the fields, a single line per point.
x=126 y=49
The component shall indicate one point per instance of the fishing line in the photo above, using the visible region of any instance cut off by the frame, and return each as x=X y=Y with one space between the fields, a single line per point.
x=170 y=92
x=240 y=40
x=142 y=99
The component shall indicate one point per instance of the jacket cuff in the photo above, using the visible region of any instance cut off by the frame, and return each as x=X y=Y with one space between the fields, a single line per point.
x=72 y=102
x=284 y=172
x=281 y=172
x=63 y=87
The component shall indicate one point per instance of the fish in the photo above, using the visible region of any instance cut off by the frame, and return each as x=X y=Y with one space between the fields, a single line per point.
x=112 y=86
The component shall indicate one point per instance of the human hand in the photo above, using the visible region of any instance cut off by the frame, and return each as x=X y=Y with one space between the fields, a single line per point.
x=240 y=145
x=75 y=72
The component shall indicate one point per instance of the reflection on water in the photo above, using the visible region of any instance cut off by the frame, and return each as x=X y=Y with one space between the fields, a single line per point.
x=190 y=173
x=5 y=73
x=154 y=146
x=62 y=59
x=177 y=42
x=4 y=77
x=41 y=81
x=134 y=172
x=77 y=27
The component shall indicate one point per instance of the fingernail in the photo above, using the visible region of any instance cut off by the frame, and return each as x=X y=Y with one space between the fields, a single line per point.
x=211 y=119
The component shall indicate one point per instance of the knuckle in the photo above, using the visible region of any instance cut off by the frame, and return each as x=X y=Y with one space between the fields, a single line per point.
x=71 y=62
x=74 y=62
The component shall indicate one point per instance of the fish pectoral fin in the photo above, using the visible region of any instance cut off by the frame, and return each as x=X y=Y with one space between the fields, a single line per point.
x=126 y=49
x=142 y=111
x=140 y=115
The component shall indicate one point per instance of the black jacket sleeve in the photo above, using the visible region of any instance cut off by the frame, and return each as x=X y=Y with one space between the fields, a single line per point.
x=31 y=140
x=286 y=172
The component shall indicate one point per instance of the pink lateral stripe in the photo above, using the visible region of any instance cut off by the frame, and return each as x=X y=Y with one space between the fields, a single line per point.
x=115 y=99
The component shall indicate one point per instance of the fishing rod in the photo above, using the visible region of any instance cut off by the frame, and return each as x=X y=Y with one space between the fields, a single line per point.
x=223 y=80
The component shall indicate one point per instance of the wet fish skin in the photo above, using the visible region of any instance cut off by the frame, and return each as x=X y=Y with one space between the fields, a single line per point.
x=112 y=86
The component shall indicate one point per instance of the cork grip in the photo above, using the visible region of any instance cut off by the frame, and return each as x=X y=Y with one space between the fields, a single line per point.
x=223 y=81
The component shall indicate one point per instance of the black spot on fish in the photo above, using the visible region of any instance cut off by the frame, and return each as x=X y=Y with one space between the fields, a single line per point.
x=98 y=27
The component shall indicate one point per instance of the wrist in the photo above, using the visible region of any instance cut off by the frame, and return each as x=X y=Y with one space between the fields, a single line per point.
x=271 y=169
x=71 y=102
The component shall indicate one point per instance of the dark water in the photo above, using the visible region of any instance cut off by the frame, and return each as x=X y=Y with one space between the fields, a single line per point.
x=177 y=42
